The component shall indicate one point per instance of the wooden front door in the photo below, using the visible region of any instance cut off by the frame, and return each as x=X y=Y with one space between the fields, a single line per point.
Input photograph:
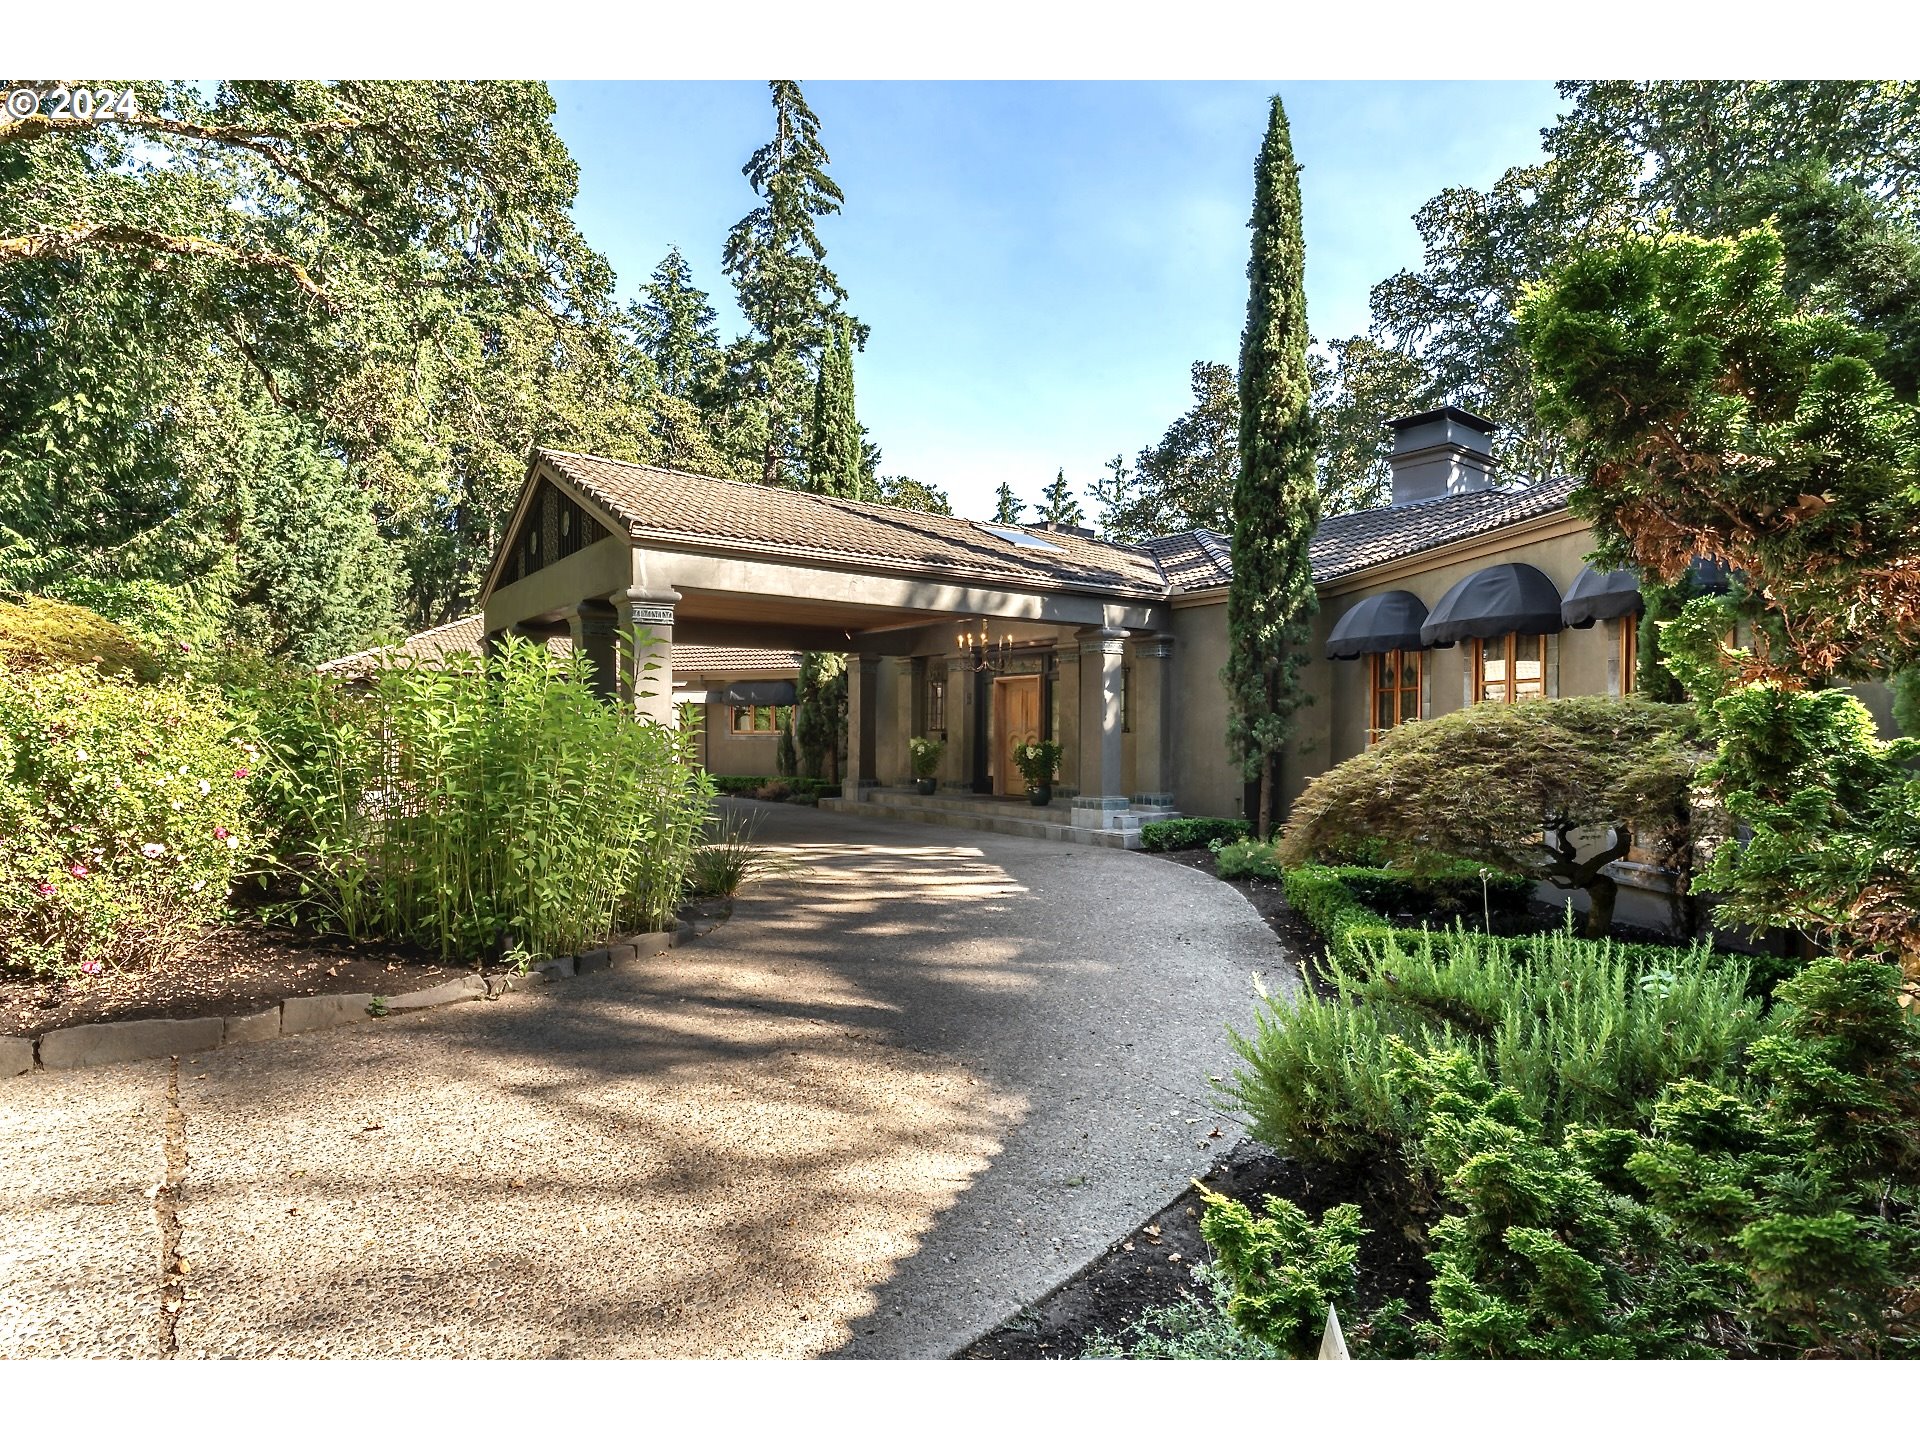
x=1016 y=721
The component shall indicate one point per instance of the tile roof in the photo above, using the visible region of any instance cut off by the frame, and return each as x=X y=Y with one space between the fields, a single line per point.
x=1193 y=559
x=454 y=637
x=1346 y=543
x=715 y=659
x=771 y=520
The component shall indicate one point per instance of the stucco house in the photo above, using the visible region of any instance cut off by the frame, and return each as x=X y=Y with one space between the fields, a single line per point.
x=1465 y=588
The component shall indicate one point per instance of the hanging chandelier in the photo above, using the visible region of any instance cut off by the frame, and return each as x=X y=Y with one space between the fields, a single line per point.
x=978 y=644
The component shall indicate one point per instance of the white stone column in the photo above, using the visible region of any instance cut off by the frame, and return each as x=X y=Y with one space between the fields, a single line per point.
x=863 y=716
x=1067 y=686
x=644 y=622
x=1102 y=657
x=1153 y=721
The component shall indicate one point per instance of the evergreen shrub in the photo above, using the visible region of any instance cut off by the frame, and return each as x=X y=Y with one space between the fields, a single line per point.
x=1191 y=833
x=124 y=818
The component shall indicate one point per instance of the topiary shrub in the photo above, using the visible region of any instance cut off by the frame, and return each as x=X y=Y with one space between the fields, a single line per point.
x=1191 y=833
x=1285 y=1269
x=740 y=784
x=41 y=634
x=126 y=818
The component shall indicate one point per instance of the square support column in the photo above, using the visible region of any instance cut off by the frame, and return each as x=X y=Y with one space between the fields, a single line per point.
x=863 y=717
x=1102 y=658
x=1153 y=721
x=595 y=629
x=1067 y=690
x=956 y=762
x=899 y=721
x=644 y=622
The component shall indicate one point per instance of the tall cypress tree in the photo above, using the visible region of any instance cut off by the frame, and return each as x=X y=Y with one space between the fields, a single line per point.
x=1008 y=507
x=835 y=461
x=790 y=298
x=1058 y=504
x=1271 y=604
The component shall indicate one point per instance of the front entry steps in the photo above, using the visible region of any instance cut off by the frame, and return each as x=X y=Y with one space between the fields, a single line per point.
x=1000 y=816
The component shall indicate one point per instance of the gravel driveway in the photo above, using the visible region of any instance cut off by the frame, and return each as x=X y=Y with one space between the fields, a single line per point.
x=905 y=1090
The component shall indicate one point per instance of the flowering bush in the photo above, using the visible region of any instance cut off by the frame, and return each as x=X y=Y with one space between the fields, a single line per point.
x=123 y=818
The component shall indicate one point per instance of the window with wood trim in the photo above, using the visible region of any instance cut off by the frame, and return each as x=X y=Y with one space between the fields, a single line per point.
x=1628 y=649
x=1393 y=690
x=761 y=719
x=1509 y=668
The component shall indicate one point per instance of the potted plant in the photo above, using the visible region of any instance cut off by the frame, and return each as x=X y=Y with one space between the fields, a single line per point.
x=1038 y=759
x=926 y=752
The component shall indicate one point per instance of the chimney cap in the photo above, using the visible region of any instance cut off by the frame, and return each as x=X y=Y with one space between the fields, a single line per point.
x=1445 y=412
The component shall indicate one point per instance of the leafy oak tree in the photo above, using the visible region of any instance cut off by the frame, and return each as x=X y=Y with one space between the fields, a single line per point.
x=1186 y=481
x=1271 y=603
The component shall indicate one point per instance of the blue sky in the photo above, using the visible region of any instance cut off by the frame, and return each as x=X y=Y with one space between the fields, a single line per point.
x=1041 y=263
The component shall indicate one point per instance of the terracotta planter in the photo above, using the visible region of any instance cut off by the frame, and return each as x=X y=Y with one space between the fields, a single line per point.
x=926 y=784
x=1040 y=794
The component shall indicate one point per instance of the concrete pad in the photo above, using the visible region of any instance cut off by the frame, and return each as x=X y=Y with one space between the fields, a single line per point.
x=117 y=1041
x=301 y=1013
x=79 y=1241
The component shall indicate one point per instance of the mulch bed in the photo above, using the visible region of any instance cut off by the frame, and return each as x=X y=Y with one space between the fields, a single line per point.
x=1153 y=1267
x=234 y=969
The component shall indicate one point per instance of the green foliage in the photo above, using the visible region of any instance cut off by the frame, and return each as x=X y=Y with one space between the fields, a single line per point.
x=39 y=634
x=820 y=714
x=1363 y=385
x=727 y=857
x=1285 y=1269
x=1713 y=413
x=791 y=300
x=1186 y=481
x=1509 y=785
x=925 y=753
x=1190 y=833
x=1058 y=505
x=1007 y=507
x=907 y=493
x=1247 y=859
x=126 y=814
x=833 y=460
x=1830 y=815
x=1038 y=761
x=480 y=806
x=676 y=327
x=1112 y=498
x=1276 y=502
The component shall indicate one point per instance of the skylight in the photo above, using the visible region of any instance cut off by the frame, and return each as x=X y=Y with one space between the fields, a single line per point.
x=1017 y=537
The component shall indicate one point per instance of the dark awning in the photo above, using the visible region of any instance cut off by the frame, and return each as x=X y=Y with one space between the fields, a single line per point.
x=1378 y=624
x=755 y=692
x=1601 y=595
x=1499 y=600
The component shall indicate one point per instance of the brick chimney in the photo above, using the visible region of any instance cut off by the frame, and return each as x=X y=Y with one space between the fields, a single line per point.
x=1440 y=452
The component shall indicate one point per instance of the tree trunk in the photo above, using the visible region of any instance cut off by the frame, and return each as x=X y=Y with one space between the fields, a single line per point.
x=1601 y=892
x=1267 y=778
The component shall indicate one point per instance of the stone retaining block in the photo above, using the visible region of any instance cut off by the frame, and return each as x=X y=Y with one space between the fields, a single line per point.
x=16 y=1055
x=591 y=960
x=462 y=987
x=116 y=1041
x=245 y=1029
x=301 y=1013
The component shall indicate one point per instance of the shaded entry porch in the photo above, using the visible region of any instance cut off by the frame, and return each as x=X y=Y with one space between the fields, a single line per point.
x=1077 y=650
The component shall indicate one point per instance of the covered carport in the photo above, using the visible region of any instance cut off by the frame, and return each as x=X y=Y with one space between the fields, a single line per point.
x=630 y=560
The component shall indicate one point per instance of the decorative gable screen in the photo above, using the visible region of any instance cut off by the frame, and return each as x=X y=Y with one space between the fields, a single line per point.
x=552 y=529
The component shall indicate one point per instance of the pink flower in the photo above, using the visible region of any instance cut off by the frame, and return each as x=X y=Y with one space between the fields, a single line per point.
x=79 y=871
x=219 y=832
x=45 y=887
x=90 y=967
x=241 y=773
